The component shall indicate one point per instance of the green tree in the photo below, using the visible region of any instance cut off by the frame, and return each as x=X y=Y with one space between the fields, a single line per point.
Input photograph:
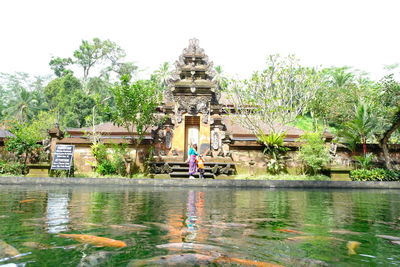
x=360 y=128
x=135 y=103
x=66 y=98
x=22 y=106
x=58 y=65
x=274 y=97
x=341 y=90
x=28 y=136
x=3 y=101
x=220 y=77
x=97 y=51
x=123 y=68
x=386 y=101
x=22 y=95
x=162 y=75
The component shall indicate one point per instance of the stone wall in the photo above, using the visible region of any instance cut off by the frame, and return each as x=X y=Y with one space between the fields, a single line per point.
x=248 y=160
x=84 y=161
x=254 y=161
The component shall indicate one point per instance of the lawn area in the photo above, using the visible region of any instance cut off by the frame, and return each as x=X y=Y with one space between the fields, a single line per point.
x=282 y=177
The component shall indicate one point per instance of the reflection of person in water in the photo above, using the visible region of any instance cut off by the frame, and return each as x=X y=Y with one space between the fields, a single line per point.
x=191 y=217
x=195 y=215
x=192 y=160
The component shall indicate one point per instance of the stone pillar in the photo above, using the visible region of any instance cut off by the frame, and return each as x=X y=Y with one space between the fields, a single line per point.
x=178 y=140
x=205 y=132
x=55 y=135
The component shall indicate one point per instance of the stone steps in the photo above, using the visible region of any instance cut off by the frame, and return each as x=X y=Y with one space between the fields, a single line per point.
x=186 y=175
x=181 y=169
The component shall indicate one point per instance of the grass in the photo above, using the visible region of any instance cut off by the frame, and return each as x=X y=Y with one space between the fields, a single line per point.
x=287 y=177
x=306 y=123
x=96 y=175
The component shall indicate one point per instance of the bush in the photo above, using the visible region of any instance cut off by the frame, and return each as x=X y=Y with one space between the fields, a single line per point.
x=376 y=174
x=313 y=152
x=106 y=168
x=119 y=153
x=275 y=150
x=365 y=161
x=13 y=168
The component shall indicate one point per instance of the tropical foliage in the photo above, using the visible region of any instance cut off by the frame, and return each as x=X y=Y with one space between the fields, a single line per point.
x=360 y=128
x=314 y=153
x=275 y=96
x=375 y=175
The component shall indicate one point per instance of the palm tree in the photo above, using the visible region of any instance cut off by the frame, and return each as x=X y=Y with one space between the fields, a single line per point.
x=220 y=78
x=163 y=74
x=360 y=128
x=339 y=77
x=22 y=106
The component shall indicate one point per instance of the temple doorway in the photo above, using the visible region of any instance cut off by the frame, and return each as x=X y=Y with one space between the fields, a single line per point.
x=192 y=132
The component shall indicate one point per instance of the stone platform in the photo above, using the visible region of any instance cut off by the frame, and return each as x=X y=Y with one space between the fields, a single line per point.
x=201 y=183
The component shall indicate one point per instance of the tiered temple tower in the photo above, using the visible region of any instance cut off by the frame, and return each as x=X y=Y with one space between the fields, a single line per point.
x=191 y=103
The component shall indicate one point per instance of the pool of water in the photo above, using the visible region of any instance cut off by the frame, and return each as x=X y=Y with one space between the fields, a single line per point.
x=218 y=227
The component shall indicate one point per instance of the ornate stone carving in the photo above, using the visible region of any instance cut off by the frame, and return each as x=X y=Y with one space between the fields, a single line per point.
x=216 y=169
x=215 y=140
x=227 y=170
x=168 y=139
x=193 y=73
x=166 y=168
x=178 y=114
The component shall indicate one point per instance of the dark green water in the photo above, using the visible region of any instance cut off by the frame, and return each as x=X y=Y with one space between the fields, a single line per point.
x=238 y=224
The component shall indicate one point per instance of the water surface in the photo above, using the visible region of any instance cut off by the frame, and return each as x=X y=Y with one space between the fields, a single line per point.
x=283 y=227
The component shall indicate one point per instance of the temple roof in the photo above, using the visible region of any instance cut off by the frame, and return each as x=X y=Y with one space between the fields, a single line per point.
x=236 y=130
x=239 y=131
x=193 y=71
x=103 y=128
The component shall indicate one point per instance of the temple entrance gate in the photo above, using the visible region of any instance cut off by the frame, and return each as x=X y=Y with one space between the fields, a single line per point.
x=192 y=132
x=191 y=105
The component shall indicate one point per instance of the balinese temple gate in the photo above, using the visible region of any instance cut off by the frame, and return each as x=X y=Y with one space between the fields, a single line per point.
x=195 y=111
x=192 y=106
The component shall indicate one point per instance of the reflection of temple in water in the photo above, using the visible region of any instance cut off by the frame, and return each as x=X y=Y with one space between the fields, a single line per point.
x=57 y=212
x=185 y=225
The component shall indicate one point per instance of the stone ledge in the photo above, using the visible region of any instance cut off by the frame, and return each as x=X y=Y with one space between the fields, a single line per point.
x=197 y=183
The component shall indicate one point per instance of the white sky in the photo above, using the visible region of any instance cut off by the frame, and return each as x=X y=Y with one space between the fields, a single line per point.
x=238 y=35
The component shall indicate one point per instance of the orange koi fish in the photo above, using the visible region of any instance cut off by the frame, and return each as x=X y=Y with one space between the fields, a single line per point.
x=246 y=262
x=311 y=237
x=95 y=240
x=352 y=246
x=290 y=231
x=27 y=200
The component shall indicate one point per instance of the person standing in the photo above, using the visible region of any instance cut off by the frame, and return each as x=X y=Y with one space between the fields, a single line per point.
x=192 y=160
x=200 y=166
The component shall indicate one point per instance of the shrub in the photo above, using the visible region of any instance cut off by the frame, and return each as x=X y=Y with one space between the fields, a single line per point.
x=106 y=168
x=365 y=161
x=275 y=150
x=119 y=153
x=376 y=174
x=99 y=151
x=110 y=165
x=313 y=152
x=13 y=168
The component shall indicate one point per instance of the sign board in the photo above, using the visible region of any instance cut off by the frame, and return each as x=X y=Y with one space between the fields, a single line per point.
x=62 y=159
